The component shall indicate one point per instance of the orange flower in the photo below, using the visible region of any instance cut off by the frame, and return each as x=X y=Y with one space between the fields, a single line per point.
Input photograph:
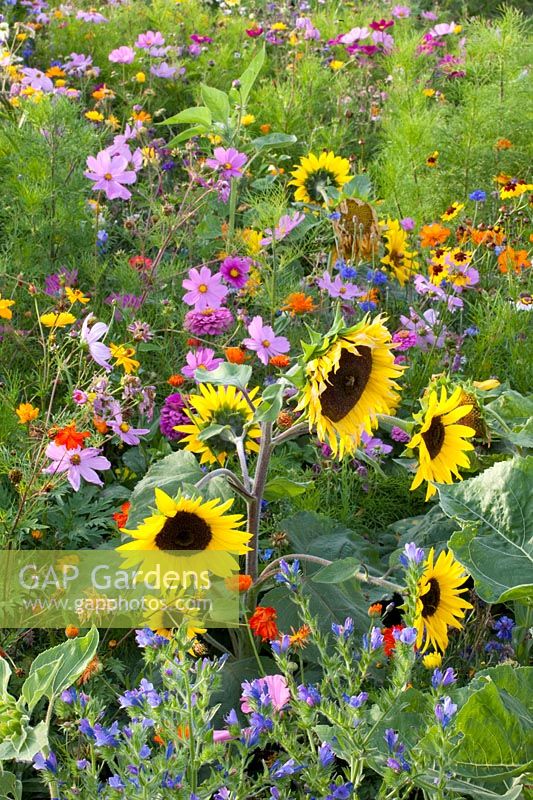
x=503 y=144
x=299 y=638
x=93 y=668
x=176 y=380
x=433 y=234
x=71 y=631
x=375 y=610
x=26 y=413
x=70 y=437
x=100 y=425
x=121 y=517
x=193 y=342
x=263 y=623
x=36 y=534
x=183 y=732
x=235 y=355
x=280 y=361
x=298 y=303
x=266 y=128
x=494 y=234
x=238 y=583
x=157 y=739
x=141 y=116
x=517 y=260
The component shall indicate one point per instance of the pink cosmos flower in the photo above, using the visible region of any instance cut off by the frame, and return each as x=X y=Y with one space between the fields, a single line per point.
x=91 y=16
x=235 y=269
x=125 y=431
x=99 y=351
x=163 y=70
x=384 y=39
x=428 y=328
x=203 y=358
x=264 y=341
x=77 y=463
x=109 y=174
x=443 y=29
x=228 y=161
x=355 y=35
x=205 y=290
x=337 y=287
x=401 y=12
x=275 y=686
x=36 y=79
x=149 y=39
x=286 y=224
x=122 y=55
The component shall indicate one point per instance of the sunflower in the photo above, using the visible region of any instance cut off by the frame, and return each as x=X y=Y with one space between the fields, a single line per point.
x=348 y=380
x=441 y=441
x=438 y=602
x=315 y=175
x=397 y=257
x=187 y=524
x=225 y=406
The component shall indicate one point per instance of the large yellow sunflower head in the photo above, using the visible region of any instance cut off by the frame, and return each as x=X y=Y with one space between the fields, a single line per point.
x=397 y=257
x=347 y=379
x=439 y=603
x=315 y=175
x=442 y=440
x=223 y=406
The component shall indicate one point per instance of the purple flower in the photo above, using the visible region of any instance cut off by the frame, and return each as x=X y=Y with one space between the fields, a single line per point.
x=53 y=283
x=78 y=64
x=309 y=695
x=115 y=783
x=356 y=701
x=342 y=792
x=203 y=358
x=77 y=463
x=398 y=765
x=140 y=331
x=412 y=554
x=374 y=447
x=264 y=341
x=444 y=711
x=91 y=335
x=405 y=635
x=429 y=331
x=407 y=223
x=391 y=739
x=344 y=631
x=235 y=269
x=399 y=435
x=82 y=763
x=147 y=638
x=163 y=70
x=337 y=288
x=286 y=224
x=446 y=678
x=91 y=16
x=289 y=768
x=36 y=79
x=326 y=756
x=45 y=764
x=210 y=322
x=150 y=39
x=289 y=574
x=109 y=174
x=282 y=645
x=122 y=55
x=404 y=340
x=478 y=196
x=401 y=12
x=172 y=414
x=504 y=628
x=355 y=35
x=125 y=432
x=205 y=290
x=228 y=161
x=376 y=638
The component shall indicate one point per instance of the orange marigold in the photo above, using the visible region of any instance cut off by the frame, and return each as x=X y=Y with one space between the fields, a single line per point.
x=503 y=144
x=280 y=361
x=236 y=355
x=298 y=303
x=71 y=631
x=176 y=380
x=375 y=610
x=263 y=623
x=121 y=517
x=238 y=583
x=433 y=234
x=100 y=425
x=515 y=260
x=70 y=437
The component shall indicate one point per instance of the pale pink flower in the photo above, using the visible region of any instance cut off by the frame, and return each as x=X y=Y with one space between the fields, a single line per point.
x=205 y=290
x=99 y=351
x=264 y=341
x=77 y=463
x=203 y=358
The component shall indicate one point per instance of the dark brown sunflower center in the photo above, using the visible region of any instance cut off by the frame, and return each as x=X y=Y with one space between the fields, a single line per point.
x=347 y=384
x=434 y=437
x=431 y=600
x=184 y=531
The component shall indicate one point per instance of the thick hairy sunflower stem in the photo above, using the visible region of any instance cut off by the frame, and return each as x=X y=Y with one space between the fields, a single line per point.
x=297 y=430
x=270 y=571
x=254 y=503
x=233 y=480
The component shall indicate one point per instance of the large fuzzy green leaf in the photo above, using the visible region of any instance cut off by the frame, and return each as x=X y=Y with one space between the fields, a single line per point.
x=496 y=543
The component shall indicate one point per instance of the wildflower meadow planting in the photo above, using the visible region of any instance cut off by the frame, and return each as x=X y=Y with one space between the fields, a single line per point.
x=265 y=400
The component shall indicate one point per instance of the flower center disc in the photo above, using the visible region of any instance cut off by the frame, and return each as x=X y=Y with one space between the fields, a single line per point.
x=431 y=600
x=184 y=531
x=434 y=437
x=347 y=384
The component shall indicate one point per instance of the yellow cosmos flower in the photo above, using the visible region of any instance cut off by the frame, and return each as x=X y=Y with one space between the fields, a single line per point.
x=349 y=382
x=439 y=603
x=221 y=405
x=316 y=174
x=247 y=119
x=442 y=442
x=76 y=296
x=124 y=357
x=452 y=211
x=432 y=660
x=26 y=413
x=397 y=257
x=57 y=319
x=5 y=308
x=94 y=116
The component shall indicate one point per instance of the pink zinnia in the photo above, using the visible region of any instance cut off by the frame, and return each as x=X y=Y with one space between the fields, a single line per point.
x=109 y=174
x=235 y=269
x=205 y=290
x=91 y=336
x=77 y=463
x=275 y=686
x=264 y=341
x=122 y=55
x=229 y=161
x=203 y=358
x=210 y=322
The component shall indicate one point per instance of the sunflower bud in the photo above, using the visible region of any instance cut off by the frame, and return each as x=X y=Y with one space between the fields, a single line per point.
x=10 y=718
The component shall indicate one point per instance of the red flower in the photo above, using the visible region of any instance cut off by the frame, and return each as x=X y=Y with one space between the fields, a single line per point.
x=263 y=623
x=121 y=517
x=389 y=642
x=70 y=437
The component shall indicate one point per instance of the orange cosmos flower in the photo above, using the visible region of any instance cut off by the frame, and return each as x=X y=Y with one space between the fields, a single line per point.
x=515 y=260
x=279 y=361
x=121 y=517
x=26 y=413
x=298 y=303
x=503 y=144
x=433 y=234
x=236 y=355
x=238 y=583
x=100 y=425
x=70 y=437
x=263 y=623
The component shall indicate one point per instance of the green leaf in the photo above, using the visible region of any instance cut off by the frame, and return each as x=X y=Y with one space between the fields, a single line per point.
x=511 y=417
x=359 y=186
x=65 y=662
x=184 y=136
x=217 y=102
x=196 y=115
x=249 y=76
x=279 y=488
x=212 y=430
x=497 y=727
x=226 y=375
x=5 y=673
x=496 y=545
x=25 y=746
x=273 y=139
x=271 y=402
x=427 y=530
x=169 y=474
x=338 y=572
x=10 y=787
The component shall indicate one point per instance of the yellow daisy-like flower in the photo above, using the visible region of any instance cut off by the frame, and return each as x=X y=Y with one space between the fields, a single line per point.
x=5 y=308
x=439 y=603
x=316 y=174
x=221 y=405
x=349 y=382
x=452 y=211
x=441 y=441
x=514 y=188
x=432 y=660
x=189 y=524
x=76 y=296
x=124 y=357
x=57 y=319
x=397 y=257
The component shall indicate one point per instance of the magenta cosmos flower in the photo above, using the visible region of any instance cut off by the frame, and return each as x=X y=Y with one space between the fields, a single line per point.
x=235 y=269
x=122 y=55
x=91 y=336
x=76 y=463
x=203 y=358
x=109 y=174
x=264 y=341
x=228 y=161
x=205 y=290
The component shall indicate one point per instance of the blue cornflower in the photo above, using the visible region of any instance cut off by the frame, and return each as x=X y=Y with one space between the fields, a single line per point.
x=326 y=756
x=504 y=628
x=377 y=277
x=348 y=273
x=444 y=711
x=367 y=305
x=478 y=196
x=45 y=764
x=412 y=554
x=288 y=574
x=446 y=678
x=345 y=630
x=285 y=770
